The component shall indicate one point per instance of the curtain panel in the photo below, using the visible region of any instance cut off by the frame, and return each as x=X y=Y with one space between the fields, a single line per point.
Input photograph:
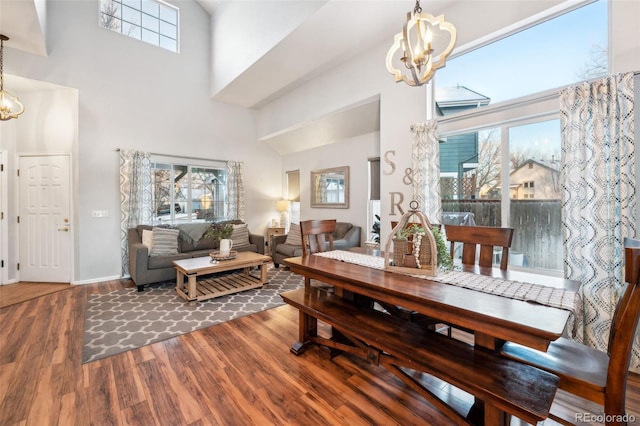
x=235 y=190
x=599 y=197
x=136 y=197
x=425 y=160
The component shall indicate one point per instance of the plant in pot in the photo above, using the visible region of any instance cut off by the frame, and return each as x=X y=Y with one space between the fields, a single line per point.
x=219 y=232
x=375 y=230
x=413 y=233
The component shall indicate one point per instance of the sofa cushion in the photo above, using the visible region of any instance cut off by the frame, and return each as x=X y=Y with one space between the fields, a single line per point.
x=147 y=238
x=240 y=236
x=341 y=230
x=204 y=243
x=165 y=242
x=141 y=228
x=294 y=237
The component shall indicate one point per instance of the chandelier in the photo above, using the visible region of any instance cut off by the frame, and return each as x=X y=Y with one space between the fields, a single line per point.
x=10 y=106
x=424 y=46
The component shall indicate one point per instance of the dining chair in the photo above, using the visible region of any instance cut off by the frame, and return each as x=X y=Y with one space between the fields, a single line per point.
x=589 y=373
x=484 y=237
x=315 y=234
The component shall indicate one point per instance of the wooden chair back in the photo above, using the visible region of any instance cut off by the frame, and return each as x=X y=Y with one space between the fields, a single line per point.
x=622 y=335
x=315 y=233
x=588 y=372
x=487 y=237
x=629 y=277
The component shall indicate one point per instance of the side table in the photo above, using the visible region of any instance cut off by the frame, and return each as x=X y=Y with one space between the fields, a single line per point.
x=271 y=232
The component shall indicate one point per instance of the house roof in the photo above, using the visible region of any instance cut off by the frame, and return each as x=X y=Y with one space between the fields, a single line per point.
x=450 y=100
x=553 y=165
x=457 y=96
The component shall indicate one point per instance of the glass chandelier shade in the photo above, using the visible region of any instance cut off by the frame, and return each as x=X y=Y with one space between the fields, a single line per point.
x=10 y=105
x=420 y=48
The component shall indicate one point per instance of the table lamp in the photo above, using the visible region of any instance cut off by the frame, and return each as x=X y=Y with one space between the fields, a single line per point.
x=283 y=207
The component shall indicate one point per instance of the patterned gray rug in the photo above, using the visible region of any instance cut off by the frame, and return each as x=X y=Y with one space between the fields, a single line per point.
x=126 y=319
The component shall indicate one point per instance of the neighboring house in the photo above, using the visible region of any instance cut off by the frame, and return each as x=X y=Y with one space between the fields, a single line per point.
x=458 y=154
x=535 y=179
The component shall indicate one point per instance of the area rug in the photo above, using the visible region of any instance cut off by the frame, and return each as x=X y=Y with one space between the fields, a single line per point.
x=126 y=319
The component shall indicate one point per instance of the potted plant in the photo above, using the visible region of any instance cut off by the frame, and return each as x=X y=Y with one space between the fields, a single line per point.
x=413 y=233
x=219 y=232
x=375 y=230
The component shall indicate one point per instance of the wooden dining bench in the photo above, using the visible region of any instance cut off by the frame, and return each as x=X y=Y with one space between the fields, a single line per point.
x=505 y=386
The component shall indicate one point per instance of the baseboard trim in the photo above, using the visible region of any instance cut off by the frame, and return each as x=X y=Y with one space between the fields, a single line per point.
x=98 y=280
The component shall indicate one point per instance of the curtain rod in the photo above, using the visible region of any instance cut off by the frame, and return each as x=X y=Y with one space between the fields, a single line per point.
x=184 y=157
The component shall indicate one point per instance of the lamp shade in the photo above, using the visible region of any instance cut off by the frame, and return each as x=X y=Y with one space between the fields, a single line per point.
x=282 y=206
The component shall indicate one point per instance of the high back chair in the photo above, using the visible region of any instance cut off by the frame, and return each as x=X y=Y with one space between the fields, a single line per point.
x=486 y=237
x=315 y=233
x=598 y=376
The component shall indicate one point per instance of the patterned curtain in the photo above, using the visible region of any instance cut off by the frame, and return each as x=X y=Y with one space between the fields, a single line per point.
x=599 y=203
x=136 y=196
x=425 y=159
x=235 y=190
x=322 y=188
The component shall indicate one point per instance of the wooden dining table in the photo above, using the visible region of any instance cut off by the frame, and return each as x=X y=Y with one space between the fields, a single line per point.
x=493 y=319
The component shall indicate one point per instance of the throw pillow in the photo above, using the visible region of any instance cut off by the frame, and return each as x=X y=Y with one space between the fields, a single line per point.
x=294 y=237
x=165 y=241
x=240 y=236
x=147 y=238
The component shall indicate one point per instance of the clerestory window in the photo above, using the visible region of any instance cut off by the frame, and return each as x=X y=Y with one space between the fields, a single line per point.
x=151 y=21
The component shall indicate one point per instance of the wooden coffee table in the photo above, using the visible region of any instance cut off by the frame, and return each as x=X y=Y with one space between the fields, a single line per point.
x=195 y=290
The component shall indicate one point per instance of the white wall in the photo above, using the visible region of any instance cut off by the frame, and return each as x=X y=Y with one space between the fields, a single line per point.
x=242 y=32
x=133 y=95
x=400 y=106
x=352 y=152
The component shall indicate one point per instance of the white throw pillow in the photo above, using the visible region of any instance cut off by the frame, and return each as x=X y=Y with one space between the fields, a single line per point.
x=294 y=237
x=147 y=238
x=165 y=241
x=240 y=235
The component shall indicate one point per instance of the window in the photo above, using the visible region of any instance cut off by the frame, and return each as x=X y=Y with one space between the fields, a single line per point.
x=566 y=49
x=293 y=195
x=188 y=193
x=152 y=21
x=500 y=163
x=523 y=192
x=373 y=215
x=528 y=190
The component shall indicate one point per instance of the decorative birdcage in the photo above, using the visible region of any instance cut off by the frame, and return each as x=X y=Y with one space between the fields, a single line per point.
x=411 y=248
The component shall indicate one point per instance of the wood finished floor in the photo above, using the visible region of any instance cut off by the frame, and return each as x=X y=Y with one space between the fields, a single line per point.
x=237 y=373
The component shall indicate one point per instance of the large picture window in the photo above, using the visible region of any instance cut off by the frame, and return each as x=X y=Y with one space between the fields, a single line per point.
x=151 y=21
x=522 y=192
x=500 y=129
x=188 y=193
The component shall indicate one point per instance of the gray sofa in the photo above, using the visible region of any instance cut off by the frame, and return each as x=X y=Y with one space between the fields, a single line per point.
x=146 y=269
x=345 y=236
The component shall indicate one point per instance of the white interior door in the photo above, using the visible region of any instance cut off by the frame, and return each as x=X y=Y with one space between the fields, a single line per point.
x=45 y=226
x=4 y=238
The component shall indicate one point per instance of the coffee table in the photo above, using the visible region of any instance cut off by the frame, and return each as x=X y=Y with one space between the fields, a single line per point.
x=195 y=290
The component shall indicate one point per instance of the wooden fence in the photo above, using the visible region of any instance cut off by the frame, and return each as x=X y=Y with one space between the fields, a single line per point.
x=537 y=225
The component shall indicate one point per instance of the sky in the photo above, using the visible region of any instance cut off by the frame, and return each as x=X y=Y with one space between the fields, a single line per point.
x=543 y=57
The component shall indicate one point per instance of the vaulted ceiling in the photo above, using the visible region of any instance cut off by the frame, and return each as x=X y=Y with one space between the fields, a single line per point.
x=332 y=31
x=337 y=30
